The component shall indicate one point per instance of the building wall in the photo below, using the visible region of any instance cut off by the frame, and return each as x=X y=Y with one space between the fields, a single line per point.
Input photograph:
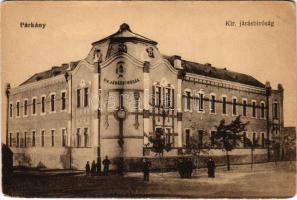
x=196 y=120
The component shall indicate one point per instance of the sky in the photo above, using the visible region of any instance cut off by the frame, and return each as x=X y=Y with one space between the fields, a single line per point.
x=196 y=31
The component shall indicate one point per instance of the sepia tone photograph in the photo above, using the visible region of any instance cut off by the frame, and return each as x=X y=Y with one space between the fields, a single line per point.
x=141 y=99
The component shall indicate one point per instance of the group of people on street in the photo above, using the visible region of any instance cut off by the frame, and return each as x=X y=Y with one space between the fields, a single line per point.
x=94 y=169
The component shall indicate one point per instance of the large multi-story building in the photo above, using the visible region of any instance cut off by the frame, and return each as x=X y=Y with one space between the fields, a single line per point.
x=124 y=91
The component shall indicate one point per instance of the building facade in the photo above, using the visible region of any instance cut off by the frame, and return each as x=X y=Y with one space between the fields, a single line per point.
x=124 y=91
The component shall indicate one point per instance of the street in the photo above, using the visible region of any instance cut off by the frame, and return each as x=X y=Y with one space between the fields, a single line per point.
x=265 y=180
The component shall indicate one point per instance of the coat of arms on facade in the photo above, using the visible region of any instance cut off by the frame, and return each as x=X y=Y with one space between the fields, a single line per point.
x=120 y=70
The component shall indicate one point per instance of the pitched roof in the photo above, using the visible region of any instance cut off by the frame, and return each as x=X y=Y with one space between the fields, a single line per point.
x=214 y=72
x=54 y=71
x=125 y=34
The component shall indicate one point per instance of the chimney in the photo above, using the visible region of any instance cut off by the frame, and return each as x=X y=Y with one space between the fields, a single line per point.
x=280 y=87
x=65 y=65
x=177 y=62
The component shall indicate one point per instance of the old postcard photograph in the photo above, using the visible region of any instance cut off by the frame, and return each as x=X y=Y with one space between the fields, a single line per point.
x=148 y=99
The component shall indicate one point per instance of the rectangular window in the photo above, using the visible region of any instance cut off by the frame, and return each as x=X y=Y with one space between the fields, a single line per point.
x=42 y=137
x=33 y=138
x=64 y=137
x=168 y=137
x=275 y=110
x=213 y=104
x=78 y=138
x=52 y=102
x=201 y=105
x=212 y=133
x=188 y=101
x=158 y=96
x=244 y=103
x=42 y=104
x=244 y=139
x=234 y=104
x=34 y=106
x=78 y=98
x=187 y=138
x=263 y=140
x=25 y=139
x=254 y=109
x=86 y=97
x=26 y=107
x=53 y=137
x=63 y=101
x=262 y=110
x=10 y=139
x=168 y=97
x=18 y=108
x=18 y=140
x=10 y=110
x=200 y=138
x=224 y=104
x=86 y=137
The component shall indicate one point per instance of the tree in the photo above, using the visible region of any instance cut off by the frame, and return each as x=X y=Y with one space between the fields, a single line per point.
x=252 y=144
x=228 y=136
x=159 y=145
x=197 y=146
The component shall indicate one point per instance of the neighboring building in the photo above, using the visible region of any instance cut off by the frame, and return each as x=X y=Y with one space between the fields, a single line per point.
x=288 y=143
x=123 y=91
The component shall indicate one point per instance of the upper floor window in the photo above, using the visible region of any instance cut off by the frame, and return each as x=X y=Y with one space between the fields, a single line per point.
x=275 y=109
x=157 y=96
x=52 y=102
x=63 y=100
x=224 y=105
x=10 y=110
x=234 y=106
x=201 y=101
x=86 y=97
x=262 y=105
x=34 y=106
x=212 y=104
x=254 y=111
x=167 y=97
x=78 y=98
x=187 y=100
x=25 y=107
x=43 y=104
x=244 y=105
x=18 y=108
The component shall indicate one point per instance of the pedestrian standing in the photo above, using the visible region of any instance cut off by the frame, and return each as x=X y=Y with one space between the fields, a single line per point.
x=146 y=169
x=88 y=169
x=106 y=163
x=93 y=168
x=211 y=168
x=98 y=167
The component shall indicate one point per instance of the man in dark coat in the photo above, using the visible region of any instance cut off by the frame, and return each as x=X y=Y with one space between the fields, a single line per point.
x=211 y=167
x=93 y=168
x=88 y=169
x=146 y=169
x=106 y=164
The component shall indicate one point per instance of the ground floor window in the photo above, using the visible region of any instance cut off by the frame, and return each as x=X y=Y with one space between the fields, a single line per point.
x=188 y=132
x=63 y=137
